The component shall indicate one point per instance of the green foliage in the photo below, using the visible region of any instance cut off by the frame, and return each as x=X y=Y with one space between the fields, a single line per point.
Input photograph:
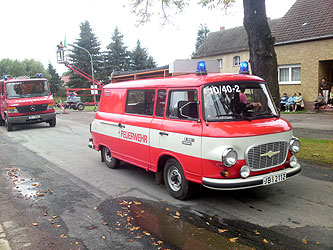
x=54 y=79
x=81 y=59
x=202 y=35
x=117 y=56
x=15 y=68
x=140 y=59
x=214 y=3
x=142 y=8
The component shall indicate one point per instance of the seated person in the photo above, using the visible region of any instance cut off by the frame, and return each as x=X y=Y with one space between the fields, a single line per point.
x=330 y=99
x=298 y=101
x=290 y=103
x=283 y=101
x=319 y=102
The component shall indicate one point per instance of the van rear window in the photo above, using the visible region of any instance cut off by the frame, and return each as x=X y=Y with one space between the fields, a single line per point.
x=140 y=101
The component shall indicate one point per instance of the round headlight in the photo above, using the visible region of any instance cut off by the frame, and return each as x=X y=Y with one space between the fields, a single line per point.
x=245 y=171
x=229 y=157
x=295 y=145
x=293 y=161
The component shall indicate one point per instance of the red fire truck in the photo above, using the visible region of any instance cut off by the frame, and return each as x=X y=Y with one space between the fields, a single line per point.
x=25 y=100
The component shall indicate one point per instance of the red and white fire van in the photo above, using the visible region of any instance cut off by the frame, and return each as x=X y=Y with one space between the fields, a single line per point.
x=26 y=100
x=219 y=130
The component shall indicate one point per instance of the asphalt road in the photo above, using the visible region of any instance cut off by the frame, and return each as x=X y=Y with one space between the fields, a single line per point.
x=49 y=176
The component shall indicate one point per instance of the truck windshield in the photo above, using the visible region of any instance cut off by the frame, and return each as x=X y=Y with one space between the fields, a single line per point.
x=237 y=101
x=26 y=89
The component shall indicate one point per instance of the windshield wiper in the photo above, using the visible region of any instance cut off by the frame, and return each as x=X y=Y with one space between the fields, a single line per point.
x=236 y=115
x=267 y=113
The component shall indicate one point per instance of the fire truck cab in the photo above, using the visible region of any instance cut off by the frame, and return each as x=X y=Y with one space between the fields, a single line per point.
x=219 y=130
x=26 y=100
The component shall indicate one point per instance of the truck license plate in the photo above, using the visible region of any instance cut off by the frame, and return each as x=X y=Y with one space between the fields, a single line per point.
x=33 y=117
x=274 y=178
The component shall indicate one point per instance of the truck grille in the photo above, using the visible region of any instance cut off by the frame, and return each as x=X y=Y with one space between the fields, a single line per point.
x=267 y=155
x=31 y=108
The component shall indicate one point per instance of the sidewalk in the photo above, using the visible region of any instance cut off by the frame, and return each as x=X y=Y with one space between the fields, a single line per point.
x=312 y=125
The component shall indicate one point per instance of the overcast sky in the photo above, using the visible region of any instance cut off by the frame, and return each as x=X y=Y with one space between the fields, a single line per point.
x=32 y=29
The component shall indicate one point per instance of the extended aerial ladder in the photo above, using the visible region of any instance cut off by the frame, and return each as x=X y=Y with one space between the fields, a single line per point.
x=73 y=98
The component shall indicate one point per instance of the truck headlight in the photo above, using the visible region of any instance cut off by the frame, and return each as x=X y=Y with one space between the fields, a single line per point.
x=295 y=145
x=50 y=106
x=229 y=157
x=12 y=110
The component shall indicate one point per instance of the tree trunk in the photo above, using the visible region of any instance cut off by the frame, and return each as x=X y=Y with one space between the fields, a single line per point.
x=261 y=44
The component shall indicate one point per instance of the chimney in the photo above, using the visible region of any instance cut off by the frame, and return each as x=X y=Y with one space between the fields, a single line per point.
x=222 y=28
x=268 y=19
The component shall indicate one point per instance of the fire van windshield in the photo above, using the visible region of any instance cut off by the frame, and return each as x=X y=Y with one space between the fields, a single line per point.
x=26 y=89
x=237 y=101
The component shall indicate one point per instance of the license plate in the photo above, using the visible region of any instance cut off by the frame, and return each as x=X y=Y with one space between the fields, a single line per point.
x=33 y=117
x=274 y=178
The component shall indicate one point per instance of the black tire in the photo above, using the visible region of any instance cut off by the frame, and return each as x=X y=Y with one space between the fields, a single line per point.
x=2 y=121
x=80 y=106
x=8 y=125
x=175 y=181
x=52 y=122
x=109 y=160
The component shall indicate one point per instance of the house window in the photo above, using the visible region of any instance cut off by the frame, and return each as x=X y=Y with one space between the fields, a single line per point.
x=236 y=60
x=289 y=74
x=220 y=63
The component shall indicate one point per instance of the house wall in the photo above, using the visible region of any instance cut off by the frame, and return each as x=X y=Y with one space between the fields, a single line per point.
x=311 y=56
x=315 y=58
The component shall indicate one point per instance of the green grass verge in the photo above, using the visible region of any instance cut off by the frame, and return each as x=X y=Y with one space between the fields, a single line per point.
x=316 y=151
x=297 y=112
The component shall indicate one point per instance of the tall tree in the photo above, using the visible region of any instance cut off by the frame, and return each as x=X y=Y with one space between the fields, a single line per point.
x=261 y=43
x=201 y=35
x=81 y=59
x=54 y=80
x=117 y=57
x=140 y=59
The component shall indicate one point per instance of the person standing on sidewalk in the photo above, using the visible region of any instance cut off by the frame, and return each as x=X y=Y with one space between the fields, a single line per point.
x=325 y=88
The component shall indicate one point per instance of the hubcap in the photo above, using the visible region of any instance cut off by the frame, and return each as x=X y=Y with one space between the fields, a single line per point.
x=174 y=179
x=108 y=156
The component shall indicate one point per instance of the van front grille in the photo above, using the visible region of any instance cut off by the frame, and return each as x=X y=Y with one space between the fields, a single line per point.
x=32 y=108
x=267 y=155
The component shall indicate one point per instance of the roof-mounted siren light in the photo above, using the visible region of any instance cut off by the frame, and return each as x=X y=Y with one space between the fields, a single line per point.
x=5 y=77
x=244 y=68
x=201 y=68
x=39 y=75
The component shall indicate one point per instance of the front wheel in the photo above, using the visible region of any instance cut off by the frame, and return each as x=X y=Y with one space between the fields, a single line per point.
x=8 y=125
x=175 y=181
x=52 y=122
x=109 y=160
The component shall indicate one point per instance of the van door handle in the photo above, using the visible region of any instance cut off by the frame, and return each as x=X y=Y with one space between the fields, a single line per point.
x=121 y=125
x=163 y=133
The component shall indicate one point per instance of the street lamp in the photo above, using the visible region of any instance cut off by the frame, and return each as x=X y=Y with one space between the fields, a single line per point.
x=92 y=67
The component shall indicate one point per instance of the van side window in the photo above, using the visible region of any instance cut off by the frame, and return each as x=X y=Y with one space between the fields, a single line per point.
x=140 y=101
x=183 y=104
x=160 y=103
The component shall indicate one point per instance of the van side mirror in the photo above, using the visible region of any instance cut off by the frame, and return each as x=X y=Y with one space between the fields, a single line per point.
x=188 y=110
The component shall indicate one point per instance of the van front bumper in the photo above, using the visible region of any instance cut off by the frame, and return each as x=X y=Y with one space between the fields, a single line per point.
x=31 y=118
x=250 y=182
